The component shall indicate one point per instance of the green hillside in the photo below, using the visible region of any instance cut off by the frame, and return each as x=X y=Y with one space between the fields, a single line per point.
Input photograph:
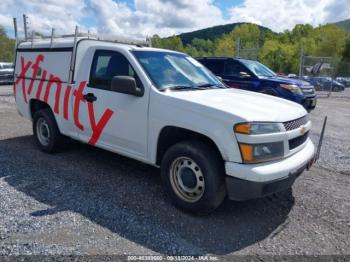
x=344 y=24
x=213 y=33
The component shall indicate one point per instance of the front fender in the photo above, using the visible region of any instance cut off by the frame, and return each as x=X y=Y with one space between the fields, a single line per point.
x=165 y=113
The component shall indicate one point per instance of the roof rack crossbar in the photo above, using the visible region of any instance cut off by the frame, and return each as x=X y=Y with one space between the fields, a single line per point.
x=53 y=36
x=71 y=67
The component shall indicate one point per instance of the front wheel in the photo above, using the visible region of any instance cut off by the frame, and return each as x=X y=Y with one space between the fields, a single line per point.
x=193 y=176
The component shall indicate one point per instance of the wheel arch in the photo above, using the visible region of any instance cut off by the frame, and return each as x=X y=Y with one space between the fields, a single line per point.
x=170 y=135
x=36 y=105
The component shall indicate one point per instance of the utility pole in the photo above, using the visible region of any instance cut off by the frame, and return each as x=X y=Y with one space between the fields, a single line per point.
x=301 y=64
x=238 y=47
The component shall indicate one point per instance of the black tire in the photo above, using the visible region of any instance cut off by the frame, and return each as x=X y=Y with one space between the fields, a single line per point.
x=55 y=139
x=211 y=166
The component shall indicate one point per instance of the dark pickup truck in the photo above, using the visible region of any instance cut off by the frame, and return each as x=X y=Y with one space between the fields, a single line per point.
x=254 y=76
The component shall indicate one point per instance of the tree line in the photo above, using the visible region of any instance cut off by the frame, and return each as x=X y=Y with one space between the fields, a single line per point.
x=279 y=51
x=7 y=46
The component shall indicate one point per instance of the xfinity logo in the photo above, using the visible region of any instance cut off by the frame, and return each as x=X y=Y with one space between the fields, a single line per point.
x=52 y=81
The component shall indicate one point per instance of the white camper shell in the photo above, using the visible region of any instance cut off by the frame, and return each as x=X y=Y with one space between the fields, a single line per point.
x=165 y=109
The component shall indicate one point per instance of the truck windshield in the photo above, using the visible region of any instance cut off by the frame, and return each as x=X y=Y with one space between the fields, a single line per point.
x=176 y=71
x=258 y=69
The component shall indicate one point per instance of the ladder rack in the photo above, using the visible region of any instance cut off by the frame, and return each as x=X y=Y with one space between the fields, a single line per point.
x=52 y=37
x=34 y=36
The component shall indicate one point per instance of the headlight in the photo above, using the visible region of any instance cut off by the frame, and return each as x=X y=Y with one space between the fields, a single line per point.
x=254 y=153
x=257 y=128
x=293 y=88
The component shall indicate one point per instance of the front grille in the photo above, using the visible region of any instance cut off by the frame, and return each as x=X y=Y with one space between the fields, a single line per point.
x=294 y=124
x=295 y=142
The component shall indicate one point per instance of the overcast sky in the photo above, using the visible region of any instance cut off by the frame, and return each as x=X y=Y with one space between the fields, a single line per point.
x=140 y=18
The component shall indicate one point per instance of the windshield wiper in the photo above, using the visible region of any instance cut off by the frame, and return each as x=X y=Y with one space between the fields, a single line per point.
x=182 y=87
x=206 y=85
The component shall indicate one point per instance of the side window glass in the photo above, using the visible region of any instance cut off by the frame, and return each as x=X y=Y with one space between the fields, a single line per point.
x=234 y=69
x=106 y=65
x=217 y=67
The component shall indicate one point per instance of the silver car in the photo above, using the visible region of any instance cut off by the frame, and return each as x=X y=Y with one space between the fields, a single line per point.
x=6 y=73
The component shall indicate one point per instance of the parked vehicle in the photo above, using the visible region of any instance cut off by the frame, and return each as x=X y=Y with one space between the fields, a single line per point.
x=326 y=84
x=254 y=76
x=6 y=73
x=165 y=109
x=344 y=81
x=294 y=76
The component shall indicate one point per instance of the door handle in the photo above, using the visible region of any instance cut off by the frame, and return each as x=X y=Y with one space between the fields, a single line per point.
x=90 y=97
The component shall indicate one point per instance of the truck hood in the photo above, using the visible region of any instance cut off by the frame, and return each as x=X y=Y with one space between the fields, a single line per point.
x=286 y=80
x=245 y=105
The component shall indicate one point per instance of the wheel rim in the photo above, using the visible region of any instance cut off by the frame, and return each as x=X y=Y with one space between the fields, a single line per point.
x=187 y=179
x=43 y=131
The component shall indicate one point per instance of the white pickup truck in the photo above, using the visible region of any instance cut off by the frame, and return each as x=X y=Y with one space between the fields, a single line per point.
x=165 y=109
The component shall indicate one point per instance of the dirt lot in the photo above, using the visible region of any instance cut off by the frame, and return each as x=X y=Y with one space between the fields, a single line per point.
x=88 y=201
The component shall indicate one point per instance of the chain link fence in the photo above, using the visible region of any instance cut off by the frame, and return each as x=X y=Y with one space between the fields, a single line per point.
x=319 y=71
x=326 y=74
x=246 y=53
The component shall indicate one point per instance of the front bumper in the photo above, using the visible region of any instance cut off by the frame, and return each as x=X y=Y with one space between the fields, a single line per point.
x=310 y=103
x=246 y=181
x=241 y=190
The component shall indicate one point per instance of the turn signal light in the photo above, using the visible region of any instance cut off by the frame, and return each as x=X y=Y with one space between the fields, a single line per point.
x=243 y=128
x=247 y=152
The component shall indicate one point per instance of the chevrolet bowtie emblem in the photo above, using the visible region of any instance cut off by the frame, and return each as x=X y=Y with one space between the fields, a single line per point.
x=302 y=130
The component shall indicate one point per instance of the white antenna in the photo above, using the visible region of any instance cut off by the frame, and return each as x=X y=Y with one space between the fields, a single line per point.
x=70 y=79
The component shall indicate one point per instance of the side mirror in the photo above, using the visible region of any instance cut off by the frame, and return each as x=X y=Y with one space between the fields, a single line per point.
x=220 y=78
x=126 y=85
x=244 y=75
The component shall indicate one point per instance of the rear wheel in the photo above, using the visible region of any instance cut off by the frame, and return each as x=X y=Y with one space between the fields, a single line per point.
x=46 y=133
x=193 y=177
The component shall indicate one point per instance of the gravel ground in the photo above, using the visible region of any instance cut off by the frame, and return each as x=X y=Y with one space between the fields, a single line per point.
x=88 y=201
x=336 y=145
